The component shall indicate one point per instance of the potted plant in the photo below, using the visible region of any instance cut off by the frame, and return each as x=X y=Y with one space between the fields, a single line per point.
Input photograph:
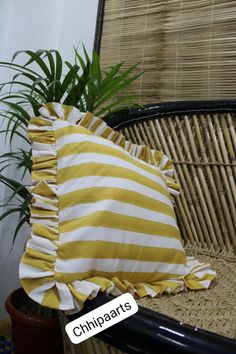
x=45 y=77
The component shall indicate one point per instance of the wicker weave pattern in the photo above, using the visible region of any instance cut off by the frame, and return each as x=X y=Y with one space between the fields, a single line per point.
x=203 y=149
x=211 y=309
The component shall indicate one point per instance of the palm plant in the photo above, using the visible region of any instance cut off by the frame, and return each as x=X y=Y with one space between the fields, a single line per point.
x=45 y=77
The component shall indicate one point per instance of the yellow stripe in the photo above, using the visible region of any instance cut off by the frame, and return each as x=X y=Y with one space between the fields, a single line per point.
x=120 y=222
x=39 y=255
x=96 y=194
x=71 y=130
x=91 y=147
x=50 y=202
x=86 y=120
x=44 y=231
x=67 y=110
x=106 y=132
x=141 y=291
x=133 y=277
x=29 y=284
x=122 y=285
x=44 y=137
x=44 y=190
x=46 y=162
x=37 y=263
x=51 y=110
x=43 y=212
x=95 y=169
x=194 y=285
x=51 y=298
x=95 y=249
x=103 y=282
x=94 y=126
x=40 y=122
x=42 y=175
x=80 y=297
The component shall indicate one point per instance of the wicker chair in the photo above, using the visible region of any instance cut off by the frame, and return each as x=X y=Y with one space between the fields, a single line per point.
x=200 y=138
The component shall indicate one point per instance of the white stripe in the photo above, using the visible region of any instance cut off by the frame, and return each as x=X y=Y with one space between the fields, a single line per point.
x=117 y=265
x=83 y=158
x=66 y=298
x=113 y=235
x=44 y=205
x=42 y=147
x=102 y=126
x=59 y=110
x=93 y=121
x=175 y=281
x=75 y=115
x=86 y=288
x=163 y=162
x=120 y=138
x=39 y=128
x=110 y=182
x=41 y=216
x=117 y=207
x=169 y=172
x=46 y=222
x=38 y=293
x=203 y=273
x=112 y=133
x=150 y=291
x=79 y=138
x=205 y=283
x=29 y=272
x=42 y=244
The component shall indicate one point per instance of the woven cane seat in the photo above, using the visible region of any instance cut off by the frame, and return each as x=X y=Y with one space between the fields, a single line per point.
x=213 y=309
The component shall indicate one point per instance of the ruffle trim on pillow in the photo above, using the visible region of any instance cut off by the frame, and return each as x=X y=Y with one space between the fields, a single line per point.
x=100 y=128
x=37 y=271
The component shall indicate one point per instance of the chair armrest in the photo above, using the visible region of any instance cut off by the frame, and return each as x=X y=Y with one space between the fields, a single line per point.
x=141 y=333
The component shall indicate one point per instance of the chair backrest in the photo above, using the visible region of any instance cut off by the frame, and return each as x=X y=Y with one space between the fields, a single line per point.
x=200 y=138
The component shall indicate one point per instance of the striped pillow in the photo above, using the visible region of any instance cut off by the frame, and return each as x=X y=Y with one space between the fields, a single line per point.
x=101 y=216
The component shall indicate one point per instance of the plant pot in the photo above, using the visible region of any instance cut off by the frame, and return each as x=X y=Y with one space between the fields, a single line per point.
x=32 y=334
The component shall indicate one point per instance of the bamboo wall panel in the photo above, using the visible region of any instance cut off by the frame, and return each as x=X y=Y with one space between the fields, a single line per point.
x=186 y=48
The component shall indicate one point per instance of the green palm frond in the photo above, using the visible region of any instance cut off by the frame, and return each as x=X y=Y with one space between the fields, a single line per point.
x=45 y=77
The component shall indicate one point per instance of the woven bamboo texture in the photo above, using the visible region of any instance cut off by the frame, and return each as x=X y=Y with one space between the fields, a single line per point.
x=213 y=309
x=203 y=150
x=185 y=48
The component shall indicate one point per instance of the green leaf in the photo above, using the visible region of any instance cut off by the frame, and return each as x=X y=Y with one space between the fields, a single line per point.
x=49 y=56
x=114 y=90
x=24 y=220
x=118 y=105
x=74 y=95
x=58 y=75
x=36 y=57
x=20 y=189
x=96 y=66
x=9 y=212
x=70 y=76
x=81 y=61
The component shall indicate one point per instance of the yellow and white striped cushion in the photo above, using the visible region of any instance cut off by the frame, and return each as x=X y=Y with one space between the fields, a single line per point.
x=101 y=216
